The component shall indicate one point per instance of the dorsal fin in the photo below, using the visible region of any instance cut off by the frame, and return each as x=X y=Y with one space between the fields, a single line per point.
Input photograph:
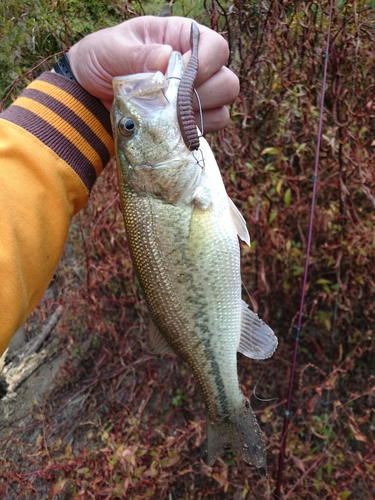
x=157 y=343
x=239 y=222
x=257 y=339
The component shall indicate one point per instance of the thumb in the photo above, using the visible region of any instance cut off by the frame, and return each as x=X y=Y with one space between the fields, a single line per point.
x=95 y=66
x=157 y=59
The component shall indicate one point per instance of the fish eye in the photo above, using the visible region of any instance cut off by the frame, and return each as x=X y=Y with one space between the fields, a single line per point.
x=126 y=126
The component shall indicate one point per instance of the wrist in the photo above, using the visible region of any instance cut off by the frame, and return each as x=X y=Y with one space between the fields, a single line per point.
x=62 y=67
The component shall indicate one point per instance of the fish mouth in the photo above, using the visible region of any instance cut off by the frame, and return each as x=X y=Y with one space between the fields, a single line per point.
x=147 y=85
x=143 y=85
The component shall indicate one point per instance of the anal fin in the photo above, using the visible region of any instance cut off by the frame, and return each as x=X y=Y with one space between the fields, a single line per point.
x=257 y=339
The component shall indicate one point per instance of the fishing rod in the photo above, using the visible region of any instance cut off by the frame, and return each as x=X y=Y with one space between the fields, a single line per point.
x=306 y=271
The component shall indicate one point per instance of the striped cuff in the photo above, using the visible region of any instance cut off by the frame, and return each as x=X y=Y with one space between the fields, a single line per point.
x=67 y=119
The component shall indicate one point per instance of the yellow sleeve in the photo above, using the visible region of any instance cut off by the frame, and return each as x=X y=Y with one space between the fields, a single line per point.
x=54 y=141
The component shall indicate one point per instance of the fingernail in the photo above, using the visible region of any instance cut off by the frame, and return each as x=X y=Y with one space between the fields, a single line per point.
x=158 y=58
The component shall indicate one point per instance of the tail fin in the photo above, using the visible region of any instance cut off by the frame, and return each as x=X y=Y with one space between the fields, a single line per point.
x=240 y=433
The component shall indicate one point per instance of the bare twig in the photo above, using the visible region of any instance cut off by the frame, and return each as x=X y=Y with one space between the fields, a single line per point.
x=46 y=330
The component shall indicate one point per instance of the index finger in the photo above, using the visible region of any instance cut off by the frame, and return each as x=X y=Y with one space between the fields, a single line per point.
x=213 y=51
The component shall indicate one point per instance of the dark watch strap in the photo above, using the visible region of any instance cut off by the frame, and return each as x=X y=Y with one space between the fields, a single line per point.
x=62 y=67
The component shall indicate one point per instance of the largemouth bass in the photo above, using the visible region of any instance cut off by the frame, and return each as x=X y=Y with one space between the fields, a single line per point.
x=182 y=231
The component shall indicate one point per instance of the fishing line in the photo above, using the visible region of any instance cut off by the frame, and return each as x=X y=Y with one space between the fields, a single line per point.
x=173 y=78
x=254 y=303
x=342 y=209
x=261 y=399
x=200 y=112
x=200 y=162
x=304 y=285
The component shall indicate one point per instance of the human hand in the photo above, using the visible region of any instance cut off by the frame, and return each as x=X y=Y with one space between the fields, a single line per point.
x=144 y=44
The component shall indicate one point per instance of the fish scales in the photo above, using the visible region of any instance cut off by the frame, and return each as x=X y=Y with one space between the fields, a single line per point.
x=182 y=232
x=169 y=251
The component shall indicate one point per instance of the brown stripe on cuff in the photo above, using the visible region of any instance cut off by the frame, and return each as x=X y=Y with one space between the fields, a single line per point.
x=55 y=140
x=90 y=102
x=69 y=116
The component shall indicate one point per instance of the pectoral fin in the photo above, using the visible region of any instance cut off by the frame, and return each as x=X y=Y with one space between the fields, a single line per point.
x=239 y=222
x=257 y=339
x=157 y=343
